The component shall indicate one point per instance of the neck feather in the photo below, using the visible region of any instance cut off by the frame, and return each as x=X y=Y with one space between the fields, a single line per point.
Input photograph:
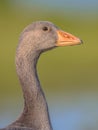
x=35 y=114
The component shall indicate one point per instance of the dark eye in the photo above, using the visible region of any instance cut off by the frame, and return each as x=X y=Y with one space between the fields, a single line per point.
x=45 y=28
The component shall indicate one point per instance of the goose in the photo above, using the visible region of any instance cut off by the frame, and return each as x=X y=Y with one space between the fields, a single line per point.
x=35 y=39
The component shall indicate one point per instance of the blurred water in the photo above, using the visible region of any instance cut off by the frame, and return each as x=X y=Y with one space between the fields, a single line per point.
x=56 y=3
x=76 y=112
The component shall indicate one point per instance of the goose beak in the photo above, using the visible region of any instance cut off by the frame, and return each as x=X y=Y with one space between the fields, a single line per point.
x=67 y=39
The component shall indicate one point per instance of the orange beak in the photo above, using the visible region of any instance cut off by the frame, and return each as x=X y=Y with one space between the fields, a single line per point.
x=67 y=39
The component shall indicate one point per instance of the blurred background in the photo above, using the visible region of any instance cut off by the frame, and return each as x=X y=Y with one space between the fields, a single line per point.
x=69 y=75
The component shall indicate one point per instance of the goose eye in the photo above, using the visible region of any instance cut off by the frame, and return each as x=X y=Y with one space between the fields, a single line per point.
x=45 y=28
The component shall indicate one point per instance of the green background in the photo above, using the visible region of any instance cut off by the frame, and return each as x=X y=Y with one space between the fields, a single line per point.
x=69 y=75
